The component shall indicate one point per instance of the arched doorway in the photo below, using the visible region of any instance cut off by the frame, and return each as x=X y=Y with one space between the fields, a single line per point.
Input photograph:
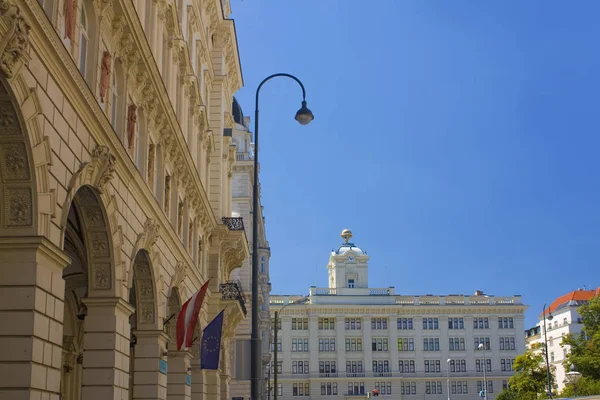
x=90 y=274
x=145 y=331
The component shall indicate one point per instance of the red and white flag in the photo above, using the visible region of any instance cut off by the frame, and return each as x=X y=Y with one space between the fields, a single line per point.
x=188 y=316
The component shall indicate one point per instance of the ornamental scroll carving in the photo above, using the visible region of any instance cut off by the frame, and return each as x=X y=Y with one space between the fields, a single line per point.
x=15 y=42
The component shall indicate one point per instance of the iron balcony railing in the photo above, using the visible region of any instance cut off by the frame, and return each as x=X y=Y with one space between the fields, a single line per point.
x=234 y=223
x=232 y=290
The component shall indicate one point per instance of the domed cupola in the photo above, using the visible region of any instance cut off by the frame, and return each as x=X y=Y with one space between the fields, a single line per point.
x=348 y=265
x=347 y=246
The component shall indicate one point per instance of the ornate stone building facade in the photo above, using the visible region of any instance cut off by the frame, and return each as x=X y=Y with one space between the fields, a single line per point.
x=349 y=339
x=243 y=172
x=115 y=191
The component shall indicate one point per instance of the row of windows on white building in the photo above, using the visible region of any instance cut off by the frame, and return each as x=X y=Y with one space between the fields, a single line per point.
x=301 y=389
x=301 y=345
x=302 y=367
x=402 y=323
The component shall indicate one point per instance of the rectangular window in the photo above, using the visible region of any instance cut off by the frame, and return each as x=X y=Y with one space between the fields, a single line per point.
x=405 y=323
x=356 y=388
x=354 y=367
x=458 y=366
x=507 y=343
x=325 y=344
x=490 y=386
x=479 y=365
x=408 y=388
x=379 y=323
x=278 y=345
x=381 y=366
x=352 y=323
x=406 y=344
x=481 y=323
x=167 y=194
x=406 y=366
x=456 y=344
x=379 y=344
x=456 y=323
x=430 y=323
x=459 y=387
x=326 y=323
x=299 y=324
x=300 y=367
x=329 y=389
x=384 y=388
x=327 y=367
x=506 y=323
x=353 y=344
x=482 y=340
x=433 y=387
x=351 y=283
x=278 y=323
x=279 y=366
x=432 y=366
x=431 y=344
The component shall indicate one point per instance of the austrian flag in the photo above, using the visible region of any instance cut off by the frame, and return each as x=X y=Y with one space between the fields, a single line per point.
x=187 y=318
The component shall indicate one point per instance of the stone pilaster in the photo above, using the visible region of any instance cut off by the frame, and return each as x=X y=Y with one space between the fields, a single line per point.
x=32 y=292
x=198 y=383
x=367 y=336
x=150 y=368
x=393 y=341
x=341 y=344
x=213 y=384
x=106 y=349
x=179 y=382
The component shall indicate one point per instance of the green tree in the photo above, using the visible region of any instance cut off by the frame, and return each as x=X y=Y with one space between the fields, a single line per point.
x=586 y=387
x=530 y=379
x=585 y=347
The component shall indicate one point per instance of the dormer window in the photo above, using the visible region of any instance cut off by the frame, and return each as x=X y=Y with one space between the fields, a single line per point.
x=351 y=283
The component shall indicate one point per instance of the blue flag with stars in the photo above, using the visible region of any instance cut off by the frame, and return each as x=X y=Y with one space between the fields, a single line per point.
x=210 y=348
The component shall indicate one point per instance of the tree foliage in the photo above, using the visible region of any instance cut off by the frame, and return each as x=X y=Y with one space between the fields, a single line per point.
x=530 y=379
x=586 y=387
x=584 y=349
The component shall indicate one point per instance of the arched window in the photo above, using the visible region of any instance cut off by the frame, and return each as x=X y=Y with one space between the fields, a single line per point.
x=83 y=41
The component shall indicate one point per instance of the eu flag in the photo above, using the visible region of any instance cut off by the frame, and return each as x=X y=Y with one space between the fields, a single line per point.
x=210 y=348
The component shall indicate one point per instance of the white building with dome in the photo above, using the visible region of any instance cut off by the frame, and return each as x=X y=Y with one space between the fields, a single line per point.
x=348 y=339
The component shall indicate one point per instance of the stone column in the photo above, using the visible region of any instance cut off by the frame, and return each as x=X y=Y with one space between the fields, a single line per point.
x=32 y=292
x=179 y=380
x=212 y=379
x=106 y=349
x=198 y=382
x=150 y=368
x=224 y=367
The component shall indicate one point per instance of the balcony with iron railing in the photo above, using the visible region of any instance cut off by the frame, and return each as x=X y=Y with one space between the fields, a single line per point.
x=233 y=223
x=243 y=156
x=232 y=290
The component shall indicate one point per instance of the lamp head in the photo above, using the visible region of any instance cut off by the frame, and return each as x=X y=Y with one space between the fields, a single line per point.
x=304 y=115
x=549 y=317
x=480 y=346
x=573 y=376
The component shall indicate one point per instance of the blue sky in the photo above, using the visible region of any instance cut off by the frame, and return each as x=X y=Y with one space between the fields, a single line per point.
x=458 y=140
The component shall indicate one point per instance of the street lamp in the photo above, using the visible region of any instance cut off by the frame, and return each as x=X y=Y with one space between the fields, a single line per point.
x=448 y=376
x=573 y=376
x=482 y=347
x=548 y=373
x=301 y=300
x=303 y=116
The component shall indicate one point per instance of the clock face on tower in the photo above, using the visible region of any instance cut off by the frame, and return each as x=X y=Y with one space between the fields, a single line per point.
x=351 y=258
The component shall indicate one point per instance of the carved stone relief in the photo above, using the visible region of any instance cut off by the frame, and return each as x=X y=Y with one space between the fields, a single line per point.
x=102 y=276
x=147 y=313
x=17 y=207
x=15 y=43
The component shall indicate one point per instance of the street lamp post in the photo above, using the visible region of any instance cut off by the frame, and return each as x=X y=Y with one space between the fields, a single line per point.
x=548 y=373
x=482 y=347
x=275 y=351
x=303 y=116
x=573 y=376
x=448 y=376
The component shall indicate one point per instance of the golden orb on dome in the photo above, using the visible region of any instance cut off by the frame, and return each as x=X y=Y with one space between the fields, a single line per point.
x=346 y=235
